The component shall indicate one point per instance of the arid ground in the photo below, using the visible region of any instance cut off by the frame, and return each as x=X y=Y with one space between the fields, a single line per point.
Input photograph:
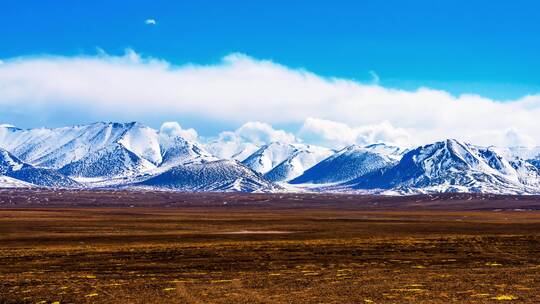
x=155 y=247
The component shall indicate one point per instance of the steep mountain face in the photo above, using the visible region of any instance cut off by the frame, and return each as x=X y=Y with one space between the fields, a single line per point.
x=178 y=151
x=142 y=141
x=55 y=148
x=347 y=164
x=452 y=166
x=521 y=157
x=526 y=172
x=221 y=175
x=297 y=163
x=269 y=156
x=13 y=168
x=110 y=162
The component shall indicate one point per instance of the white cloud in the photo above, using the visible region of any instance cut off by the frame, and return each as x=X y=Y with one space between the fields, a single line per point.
x=172 y=129
x=261 y=133
x=508 y=137
x=337 y=135
x=246 y=139
x=240 y=88
x=229 y=145
x=150 y=21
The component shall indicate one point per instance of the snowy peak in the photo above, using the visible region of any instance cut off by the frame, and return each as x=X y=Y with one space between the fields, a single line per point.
x=55 y=148
x=445 y=155
x=347 y=164
x=142 y=141
x=269 y=156
x=178 y=151
x=452 y=155
x=110 y=162
x=453 y=166
x=297 y=163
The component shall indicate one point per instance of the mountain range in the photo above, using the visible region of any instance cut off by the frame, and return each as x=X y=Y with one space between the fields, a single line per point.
x=134 y=156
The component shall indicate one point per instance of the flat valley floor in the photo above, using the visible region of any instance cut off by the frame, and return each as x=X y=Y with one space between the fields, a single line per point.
x=156 y=247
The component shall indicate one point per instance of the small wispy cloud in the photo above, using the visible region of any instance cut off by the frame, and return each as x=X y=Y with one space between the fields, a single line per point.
x=375 y=77
x=150 y=21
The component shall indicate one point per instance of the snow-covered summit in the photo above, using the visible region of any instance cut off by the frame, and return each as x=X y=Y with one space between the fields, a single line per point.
x=177 y=151
x=55 y=148
x=269 y=156
x=349 y=163
x=453 y=166
x=300 y=160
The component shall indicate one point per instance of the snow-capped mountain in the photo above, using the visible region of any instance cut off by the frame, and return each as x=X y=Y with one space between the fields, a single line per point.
x=269 y=156
x=55 y=148
x=110 y=162
x=349 y=163
x=117 y=155
x=220 y=175
x=13 y=168
x=131 y=155
x=177 y=151
x=305 y=157
x=453 y=166
x=529 y=154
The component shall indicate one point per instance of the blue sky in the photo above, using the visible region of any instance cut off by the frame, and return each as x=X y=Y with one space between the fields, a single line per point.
x=485 y=47
x=312 y=68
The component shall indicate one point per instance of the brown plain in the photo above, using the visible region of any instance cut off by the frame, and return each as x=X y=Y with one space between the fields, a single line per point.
x=161 y=247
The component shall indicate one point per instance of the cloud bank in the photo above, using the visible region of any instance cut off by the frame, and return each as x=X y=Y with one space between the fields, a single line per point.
x=336 y=135
x=240 y=88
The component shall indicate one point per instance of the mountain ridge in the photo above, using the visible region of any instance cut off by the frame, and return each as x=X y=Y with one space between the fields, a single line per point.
x=132 y=155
